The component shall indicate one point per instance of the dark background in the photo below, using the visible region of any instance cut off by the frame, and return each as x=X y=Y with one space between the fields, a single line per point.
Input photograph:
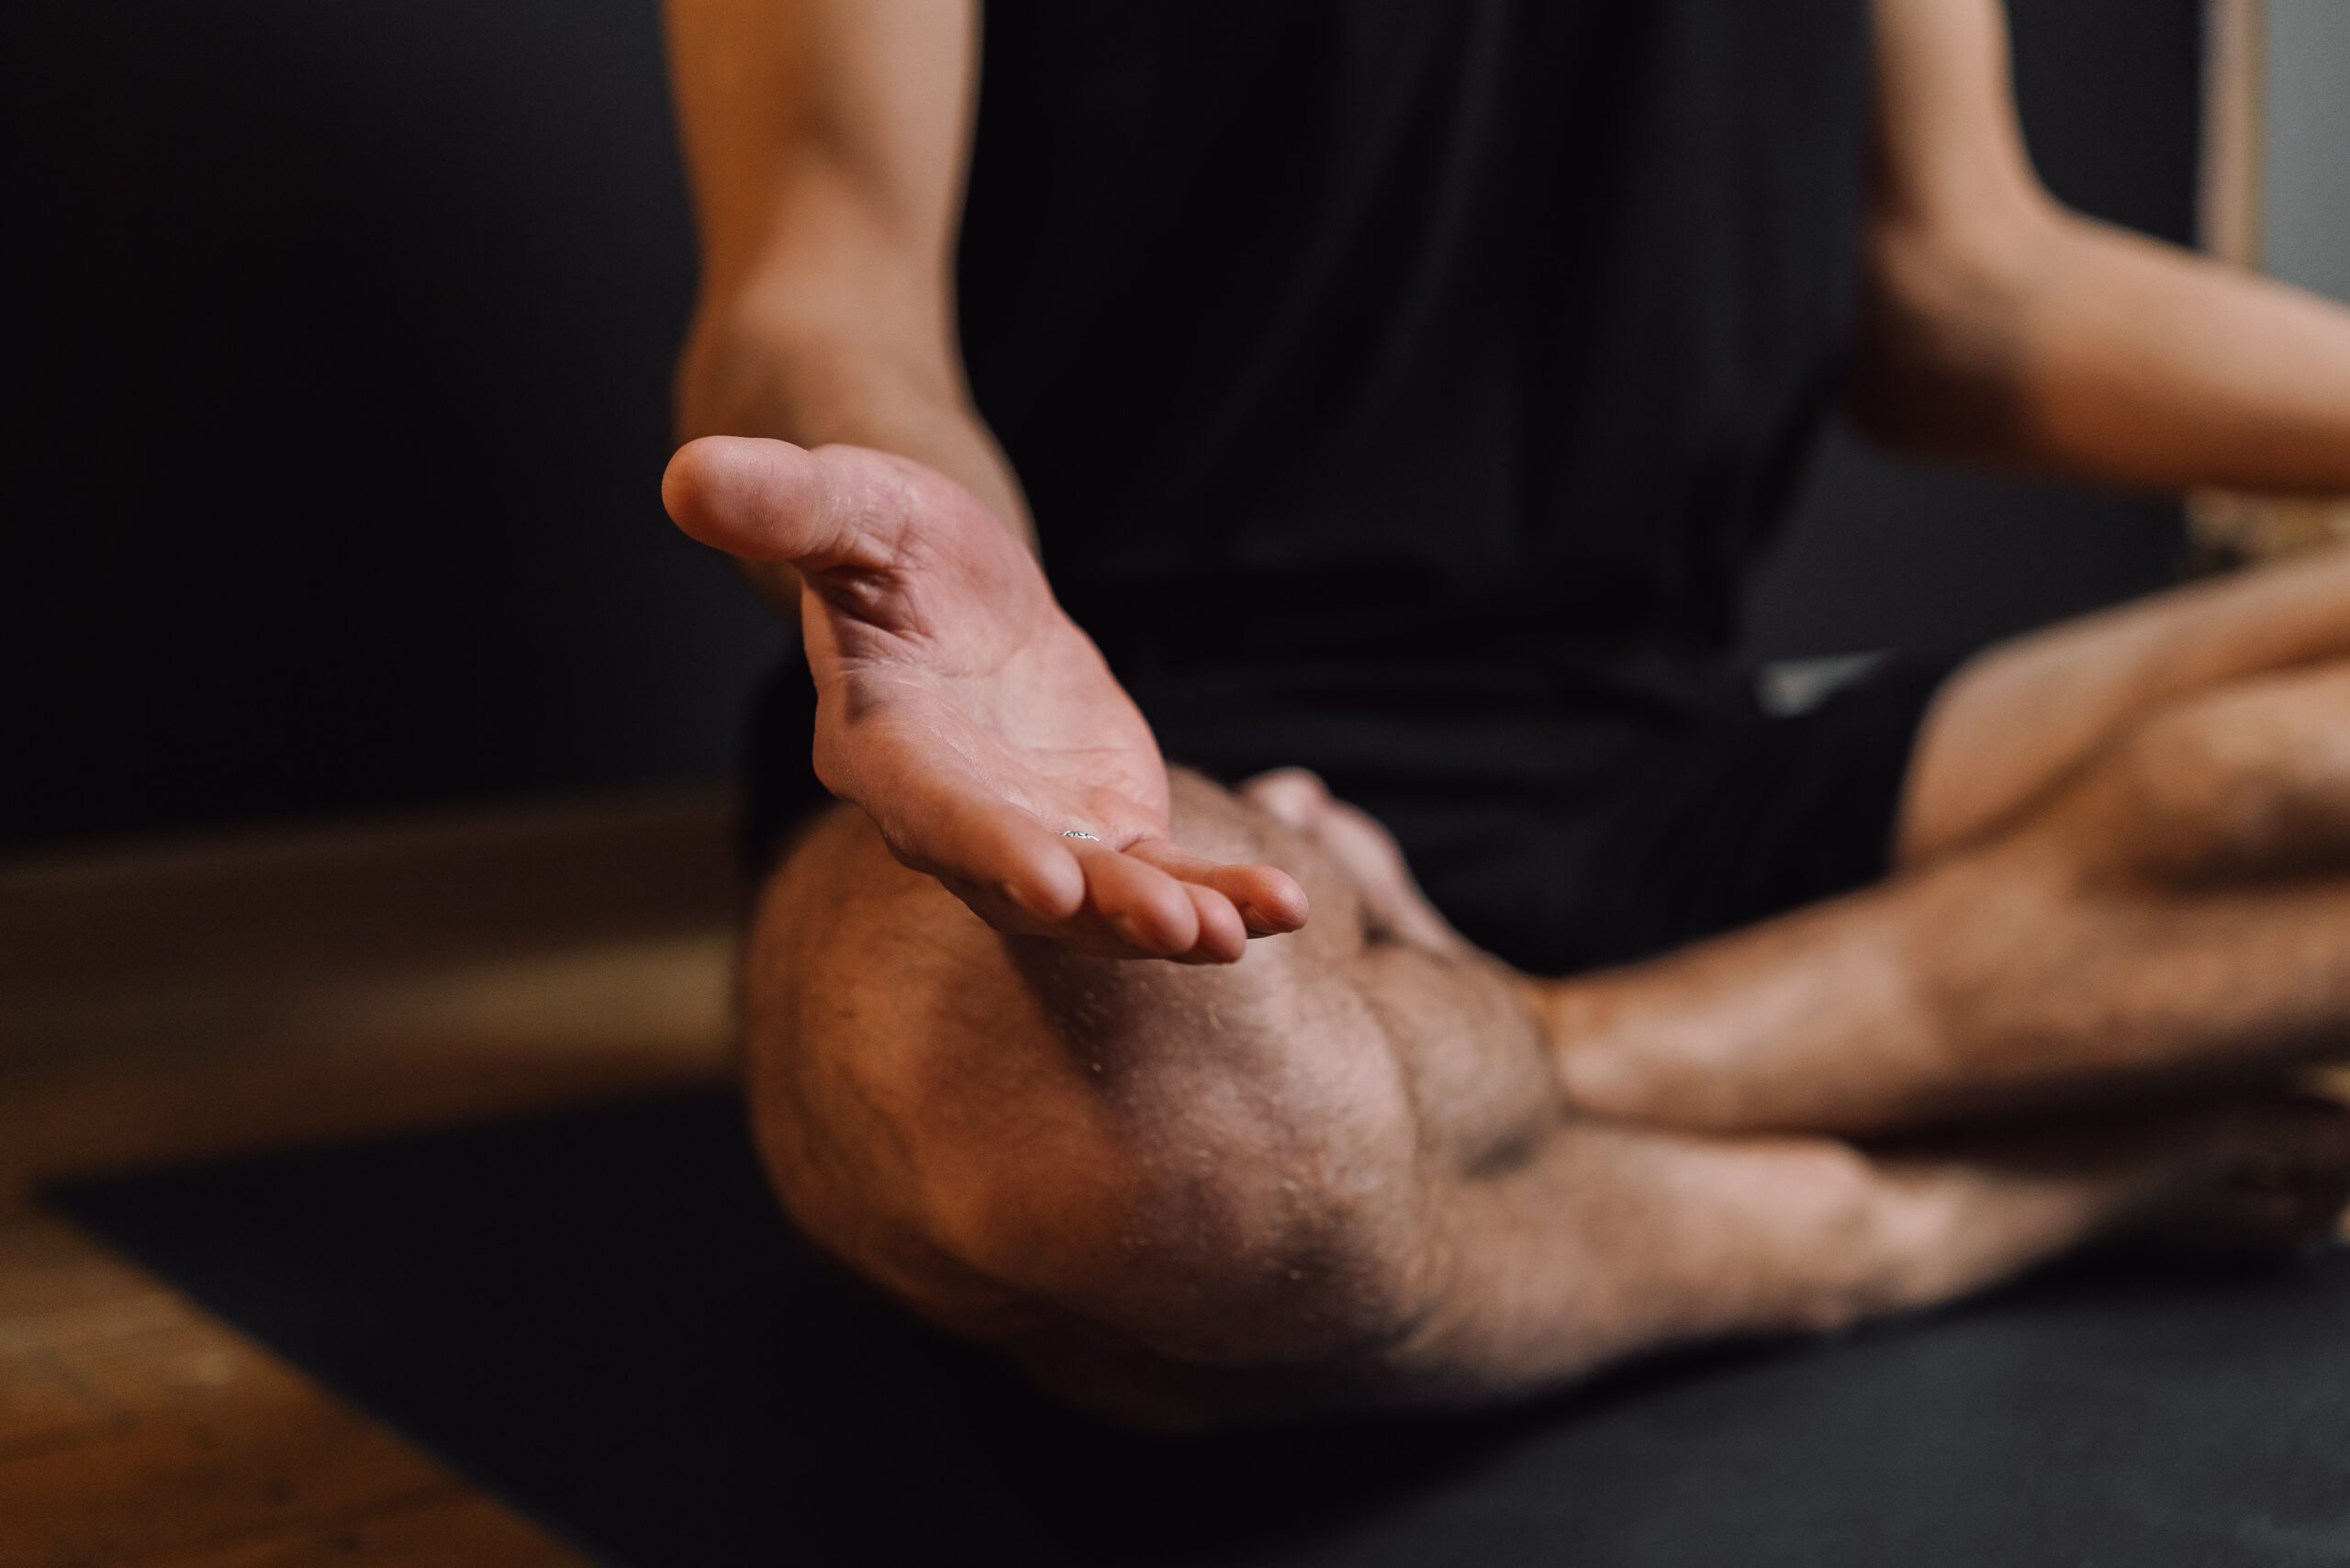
x=332 y=416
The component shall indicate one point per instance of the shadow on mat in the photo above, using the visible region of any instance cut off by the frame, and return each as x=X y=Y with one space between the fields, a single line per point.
x=601 y=1316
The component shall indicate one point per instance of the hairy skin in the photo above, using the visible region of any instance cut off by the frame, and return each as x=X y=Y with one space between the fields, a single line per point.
x=1334 y=1156
x=2162 y=905
x=1343 y=1170
x=1363 y=1162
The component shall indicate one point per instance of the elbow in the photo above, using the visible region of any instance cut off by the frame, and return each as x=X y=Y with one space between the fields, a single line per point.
x=1950 y=314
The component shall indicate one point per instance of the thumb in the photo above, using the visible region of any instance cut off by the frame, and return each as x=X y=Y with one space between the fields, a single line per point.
x=769 y=500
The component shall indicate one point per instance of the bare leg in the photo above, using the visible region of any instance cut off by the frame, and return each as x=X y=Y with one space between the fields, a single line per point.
x=1340 y=1163
x=2162 y=905
x=1341 y=1170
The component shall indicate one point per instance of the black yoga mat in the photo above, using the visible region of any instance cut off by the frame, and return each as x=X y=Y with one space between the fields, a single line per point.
x=600 y=1316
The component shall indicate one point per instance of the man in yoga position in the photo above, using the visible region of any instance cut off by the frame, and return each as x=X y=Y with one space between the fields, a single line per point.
x=1402 y=390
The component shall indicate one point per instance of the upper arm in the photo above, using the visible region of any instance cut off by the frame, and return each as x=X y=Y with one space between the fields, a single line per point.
x=1949 y=152
x=1955 y=217
x=825 y=143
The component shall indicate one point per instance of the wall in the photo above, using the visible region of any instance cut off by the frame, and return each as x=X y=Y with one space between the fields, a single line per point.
x=2306 y=211
x=336 y=397
x=1883 y=553
x=336 y=407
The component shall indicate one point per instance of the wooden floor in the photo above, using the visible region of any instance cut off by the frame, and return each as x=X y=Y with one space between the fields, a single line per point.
x=174 y=1000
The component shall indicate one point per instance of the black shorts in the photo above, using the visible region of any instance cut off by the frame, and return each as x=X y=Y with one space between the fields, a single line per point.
x=1559 y=832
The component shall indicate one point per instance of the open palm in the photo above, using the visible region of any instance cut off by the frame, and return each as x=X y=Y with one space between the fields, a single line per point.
x=965 y=712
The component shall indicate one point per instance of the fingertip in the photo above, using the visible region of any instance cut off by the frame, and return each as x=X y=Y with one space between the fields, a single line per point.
x=679 y=481
x=1004 y=845
x=1158 y=921
x=1169 y=927
x=1222 y=939
x=1051 y=886
x=725 y=491
x=691 y=478
x=1276 y=903
x=1268 y=902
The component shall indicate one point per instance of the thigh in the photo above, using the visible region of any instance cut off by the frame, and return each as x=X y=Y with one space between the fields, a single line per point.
x=1006 y=1134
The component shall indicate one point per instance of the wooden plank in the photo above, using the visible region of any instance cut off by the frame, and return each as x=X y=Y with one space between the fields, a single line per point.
x=208 y=1442
x=44 y=1408
x=162 y=1001
x=2229 y=185
x=460 y=926
x=450 y=1531
x=49 y=1269
x=2232 y=527
x=127 y=1110
x=135 y=1428
x=217 y=1443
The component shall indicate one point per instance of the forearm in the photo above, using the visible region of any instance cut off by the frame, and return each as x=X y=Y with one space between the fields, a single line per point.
x=2086 y=352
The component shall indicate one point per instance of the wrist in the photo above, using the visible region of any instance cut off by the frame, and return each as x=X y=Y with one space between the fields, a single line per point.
x=818 y=388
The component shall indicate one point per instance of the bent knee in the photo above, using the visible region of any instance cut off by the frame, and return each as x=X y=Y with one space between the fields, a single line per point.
x=2247 y=781
x=1212 y=1165
x=1009 y=1217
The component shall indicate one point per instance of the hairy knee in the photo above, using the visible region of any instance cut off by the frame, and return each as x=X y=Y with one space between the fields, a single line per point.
x=1212 y=1234
x=1231 y=1249
x=2241 y=783
x=1211 y=1163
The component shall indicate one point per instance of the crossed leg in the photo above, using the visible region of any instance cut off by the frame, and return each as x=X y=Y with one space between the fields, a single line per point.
x=1350 y=1168
x=2125 y=871
x=1362 y=1161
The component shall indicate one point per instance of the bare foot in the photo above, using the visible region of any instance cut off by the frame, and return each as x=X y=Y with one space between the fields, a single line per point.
x=2265 y=1174
x=2283 y=1189
x=965 y=712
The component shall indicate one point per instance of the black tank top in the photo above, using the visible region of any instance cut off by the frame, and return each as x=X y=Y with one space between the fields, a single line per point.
x=1413 y=334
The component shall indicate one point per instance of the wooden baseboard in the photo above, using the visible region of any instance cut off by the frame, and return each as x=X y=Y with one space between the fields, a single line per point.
x=159 y=999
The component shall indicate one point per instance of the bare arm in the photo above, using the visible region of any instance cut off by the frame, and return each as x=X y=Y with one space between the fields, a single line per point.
x=2005 y=329
x=971 y=718
x=826 y=141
